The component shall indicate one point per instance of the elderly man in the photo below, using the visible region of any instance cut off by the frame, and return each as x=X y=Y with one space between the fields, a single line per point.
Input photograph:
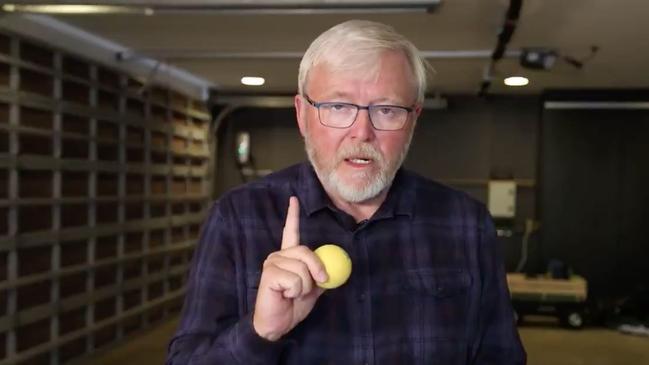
x=427 y=285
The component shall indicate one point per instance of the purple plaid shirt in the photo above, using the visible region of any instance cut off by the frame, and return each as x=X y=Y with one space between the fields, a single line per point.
x=427 y=285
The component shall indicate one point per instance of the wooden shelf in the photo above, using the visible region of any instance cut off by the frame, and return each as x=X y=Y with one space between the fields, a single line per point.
x=103 y=188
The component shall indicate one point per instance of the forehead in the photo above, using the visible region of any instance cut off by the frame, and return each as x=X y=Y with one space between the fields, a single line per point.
x=387 y=75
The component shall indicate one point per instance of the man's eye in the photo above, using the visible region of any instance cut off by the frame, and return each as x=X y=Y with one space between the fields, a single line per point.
x=386 y=111
x=338 y=107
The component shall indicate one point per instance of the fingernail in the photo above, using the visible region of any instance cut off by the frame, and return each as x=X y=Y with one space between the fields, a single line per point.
x=322 y=276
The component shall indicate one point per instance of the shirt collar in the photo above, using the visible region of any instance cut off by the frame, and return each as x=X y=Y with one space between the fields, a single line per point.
x=400 y=200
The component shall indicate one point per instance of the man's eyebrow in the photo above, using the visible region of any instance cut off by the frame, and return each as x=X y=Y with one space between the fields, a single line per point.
x=337 y=94
x=388 y=100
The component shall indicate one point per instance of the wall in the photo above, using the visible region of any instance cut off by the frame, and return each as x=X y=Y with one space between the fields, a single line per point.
x=594 y=200
x=103 y=187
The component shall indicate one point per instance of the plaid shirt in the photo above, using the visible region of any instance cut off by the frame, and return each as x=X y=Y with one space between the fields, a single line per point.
x=427 y=285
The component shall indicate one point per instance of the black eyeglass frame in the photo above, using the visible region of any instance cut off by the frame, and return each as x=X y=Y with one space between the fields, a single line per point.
x=317 y=105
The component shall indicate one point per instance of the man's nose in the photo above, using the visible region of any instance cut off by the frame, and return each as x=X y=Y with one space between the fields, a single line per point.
x=362 y=128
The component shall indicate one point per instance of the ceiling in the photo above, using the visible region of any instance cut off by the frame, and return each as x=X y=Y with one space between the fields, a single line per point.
x=619 y=28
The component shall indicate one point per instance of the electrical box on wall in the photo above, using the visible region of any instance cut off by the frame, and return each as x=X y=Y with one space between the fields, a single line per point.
x=502 y=198
x=243 y=148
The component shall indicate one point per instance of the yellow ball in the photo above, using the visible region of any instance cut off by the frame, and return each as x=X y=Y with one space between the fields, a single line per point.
x=337 y=264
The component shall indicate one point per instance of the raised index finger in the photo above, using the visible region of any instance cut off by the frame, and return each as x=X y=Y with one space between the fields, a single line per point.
x=291 y=233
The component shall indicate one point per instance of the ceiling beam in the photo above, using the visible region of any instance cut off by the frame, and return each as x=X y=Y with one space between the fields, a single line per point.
x=269 y=101
x=75 y=40
x=150 y=7
x=183 y=54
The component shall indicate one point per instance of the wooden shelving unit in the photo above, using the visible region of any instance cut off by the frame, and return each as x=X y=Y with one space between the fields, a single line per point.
x=103 y=186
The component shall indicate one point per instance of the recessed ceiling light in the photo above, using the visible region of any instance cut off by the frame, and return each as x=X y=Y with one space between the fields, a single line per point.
x=8 y=7
x=516 y=81
x=252 y=80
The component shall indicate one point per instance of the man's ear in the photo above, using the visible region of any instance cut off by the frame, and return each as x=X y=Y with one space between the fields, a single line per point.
x=299 y=113
x=418 y=110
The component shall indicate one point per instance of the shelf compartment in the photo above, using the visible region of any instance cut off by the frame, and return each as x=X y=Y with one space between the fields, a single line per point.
x=76 y=92
x=106 y=248
x=36 y=54
x=35 y=184
x=36 y=82
x=76 y=67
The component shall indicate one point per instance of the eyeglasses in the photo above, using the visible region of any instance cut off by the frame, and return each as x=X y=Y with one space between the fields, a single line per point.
x=342 y=115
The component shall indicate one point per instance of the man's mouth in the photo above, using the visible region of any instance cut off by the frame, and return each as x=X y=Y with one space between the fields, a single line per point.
x=359 y=160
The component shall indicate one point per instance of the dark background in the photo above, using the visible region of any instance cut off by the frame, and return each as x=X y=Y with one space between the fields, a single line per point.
x=595 y=192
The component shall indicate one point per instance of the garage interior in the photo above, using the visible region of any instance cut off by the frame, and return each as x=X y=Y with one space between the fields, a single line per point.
x=121 y=121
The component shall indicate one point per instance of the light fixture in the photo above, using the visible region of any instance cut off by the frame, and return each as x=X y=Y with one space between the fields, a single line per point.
x=252 y=80
x=76 y=9
x=145 y=7
x=538 y=58
x=516 y=81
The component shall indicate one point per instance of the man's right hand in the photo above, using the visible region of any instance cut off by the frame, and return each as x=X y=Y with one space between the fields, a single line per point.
x=287 y=291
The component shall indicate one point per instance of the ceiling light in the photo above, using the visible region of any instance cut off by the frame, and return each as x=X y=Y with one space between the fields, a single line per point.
x=74 y=9
x=229 y=7
x=252 y=80
x=516 y=81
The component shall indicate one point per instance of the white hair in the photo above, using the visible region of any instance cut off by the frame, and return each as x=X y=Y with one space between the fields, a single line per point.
x=357 y=45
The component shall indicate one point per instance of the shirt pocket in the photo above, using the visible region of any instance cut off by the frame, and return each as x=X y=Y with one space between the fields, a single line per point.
x=437 y=283
x=429 y=307
x=430 y=304
x=443 y=301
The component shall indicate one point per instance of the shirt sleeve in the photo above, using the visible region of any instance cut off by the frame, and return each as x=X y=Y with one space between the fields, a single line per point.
x=497 y=340
x=212 y=329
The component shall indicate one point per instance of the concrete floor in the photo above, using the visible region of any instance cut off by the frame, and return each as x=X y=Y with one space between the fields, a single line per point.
x=545 y=342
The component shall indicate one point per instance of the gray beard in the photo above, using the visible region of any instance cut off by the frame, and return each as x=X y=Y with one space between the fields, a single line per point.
x=373 y=184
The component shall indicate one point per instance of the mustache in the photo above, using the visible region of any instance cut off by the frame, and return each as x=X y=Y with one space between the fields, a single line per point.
x=364 y=150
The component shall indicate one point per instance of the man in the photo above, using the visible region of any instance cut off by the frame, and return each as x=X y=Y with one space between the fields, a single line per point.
x=427 y=285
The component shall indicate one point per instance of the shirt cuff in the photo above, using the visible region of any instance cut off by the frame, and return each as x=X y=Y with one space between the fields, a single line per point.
x=250 y=348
